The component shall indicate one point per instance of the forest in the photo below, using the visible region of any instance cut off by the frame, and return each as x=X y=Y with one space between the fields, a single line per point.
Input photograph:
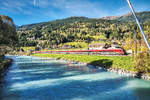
x=8 y=34
x=82 y=29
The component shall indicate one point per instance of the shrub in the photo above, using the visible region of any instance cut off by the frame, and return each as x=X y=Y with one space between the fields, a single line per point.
x=142 y=62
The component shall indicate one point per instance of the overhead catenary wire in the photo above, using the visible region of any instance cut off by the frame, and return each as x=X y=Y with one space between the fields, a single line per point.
x=139 y=25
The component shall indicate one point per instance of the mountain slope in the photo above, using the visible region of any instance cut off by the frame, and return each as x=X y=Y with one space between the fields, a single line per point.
x=77 y=29
x=142 y=16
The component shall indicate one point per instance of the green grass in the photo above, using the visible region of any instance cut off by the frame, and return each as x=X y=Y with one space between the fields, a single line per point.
x=119 y=62
x=28 y=48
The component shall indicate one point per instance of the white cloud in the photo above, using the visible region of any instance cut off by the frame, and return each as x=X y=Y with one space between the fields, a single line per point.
x=122 y=11
x=34 y=2
x=43 y=10
x=55 y=7
x=138 y=7
x=67 y=7
x=141 y=7
x=77 y=7
x=15 y=6
x=44 y=3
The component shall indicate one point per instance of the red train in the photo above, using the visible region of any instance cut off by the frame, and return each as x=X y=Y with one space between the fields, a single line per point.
x=101 y=51
x=98 y=49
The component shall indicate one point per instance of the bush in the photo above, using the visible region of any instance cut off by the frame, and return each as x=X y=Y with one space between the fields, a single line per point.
x=142 y=62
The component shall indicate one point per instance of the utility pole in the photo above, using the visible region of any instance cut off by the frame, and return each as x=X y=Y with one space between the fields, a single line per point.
x=135 y=43
x=141 y=29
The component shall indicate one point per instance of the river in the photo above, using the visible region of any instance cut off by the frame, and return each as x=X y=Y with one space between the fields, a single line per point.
x=33 y=78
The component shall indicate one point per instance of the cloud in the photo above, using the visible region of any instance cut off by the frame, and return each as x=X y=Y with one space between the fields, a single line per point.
x=75 y=7
x=122 y=11
x=56 y=8
x=138 y=7
x=15 y=6
x=141 y=7
x=34 y=2
x=45 y=10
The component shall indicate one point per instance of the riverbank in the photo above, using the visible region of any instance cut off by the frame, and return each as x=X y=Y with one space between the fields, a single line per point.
x=4 y=64
x=118 y=64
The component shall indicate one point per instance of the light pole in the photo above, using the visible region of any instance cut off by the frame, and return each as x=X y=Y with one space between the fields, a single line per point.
x=141 y=29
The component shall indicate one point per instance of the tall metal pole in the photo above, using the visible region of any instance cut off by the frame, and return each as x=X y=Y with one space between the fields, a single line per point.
x=141 y=29
x=135 y=43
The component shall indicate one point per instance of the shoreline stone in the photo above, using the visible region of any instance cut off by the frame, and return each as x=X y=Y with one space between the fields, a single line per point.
x=114 y=70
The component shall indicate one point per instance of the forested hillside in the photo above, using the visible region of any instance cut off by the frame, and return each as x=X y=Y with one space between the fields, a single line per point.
x=144 y=17
x=8 y=34
x=82 y=29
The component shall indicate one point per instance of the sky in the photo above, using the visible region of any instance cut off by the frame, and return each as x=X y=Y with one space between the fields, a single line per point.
x=34 y=11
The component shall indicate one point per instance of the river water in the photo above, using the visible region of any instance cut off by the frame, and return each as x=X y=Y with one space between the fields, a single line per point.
x=31 y=78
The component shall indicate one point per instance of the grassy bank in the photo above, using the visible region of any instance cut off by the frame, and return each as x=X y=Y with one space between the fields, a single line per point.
x=119 y=62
